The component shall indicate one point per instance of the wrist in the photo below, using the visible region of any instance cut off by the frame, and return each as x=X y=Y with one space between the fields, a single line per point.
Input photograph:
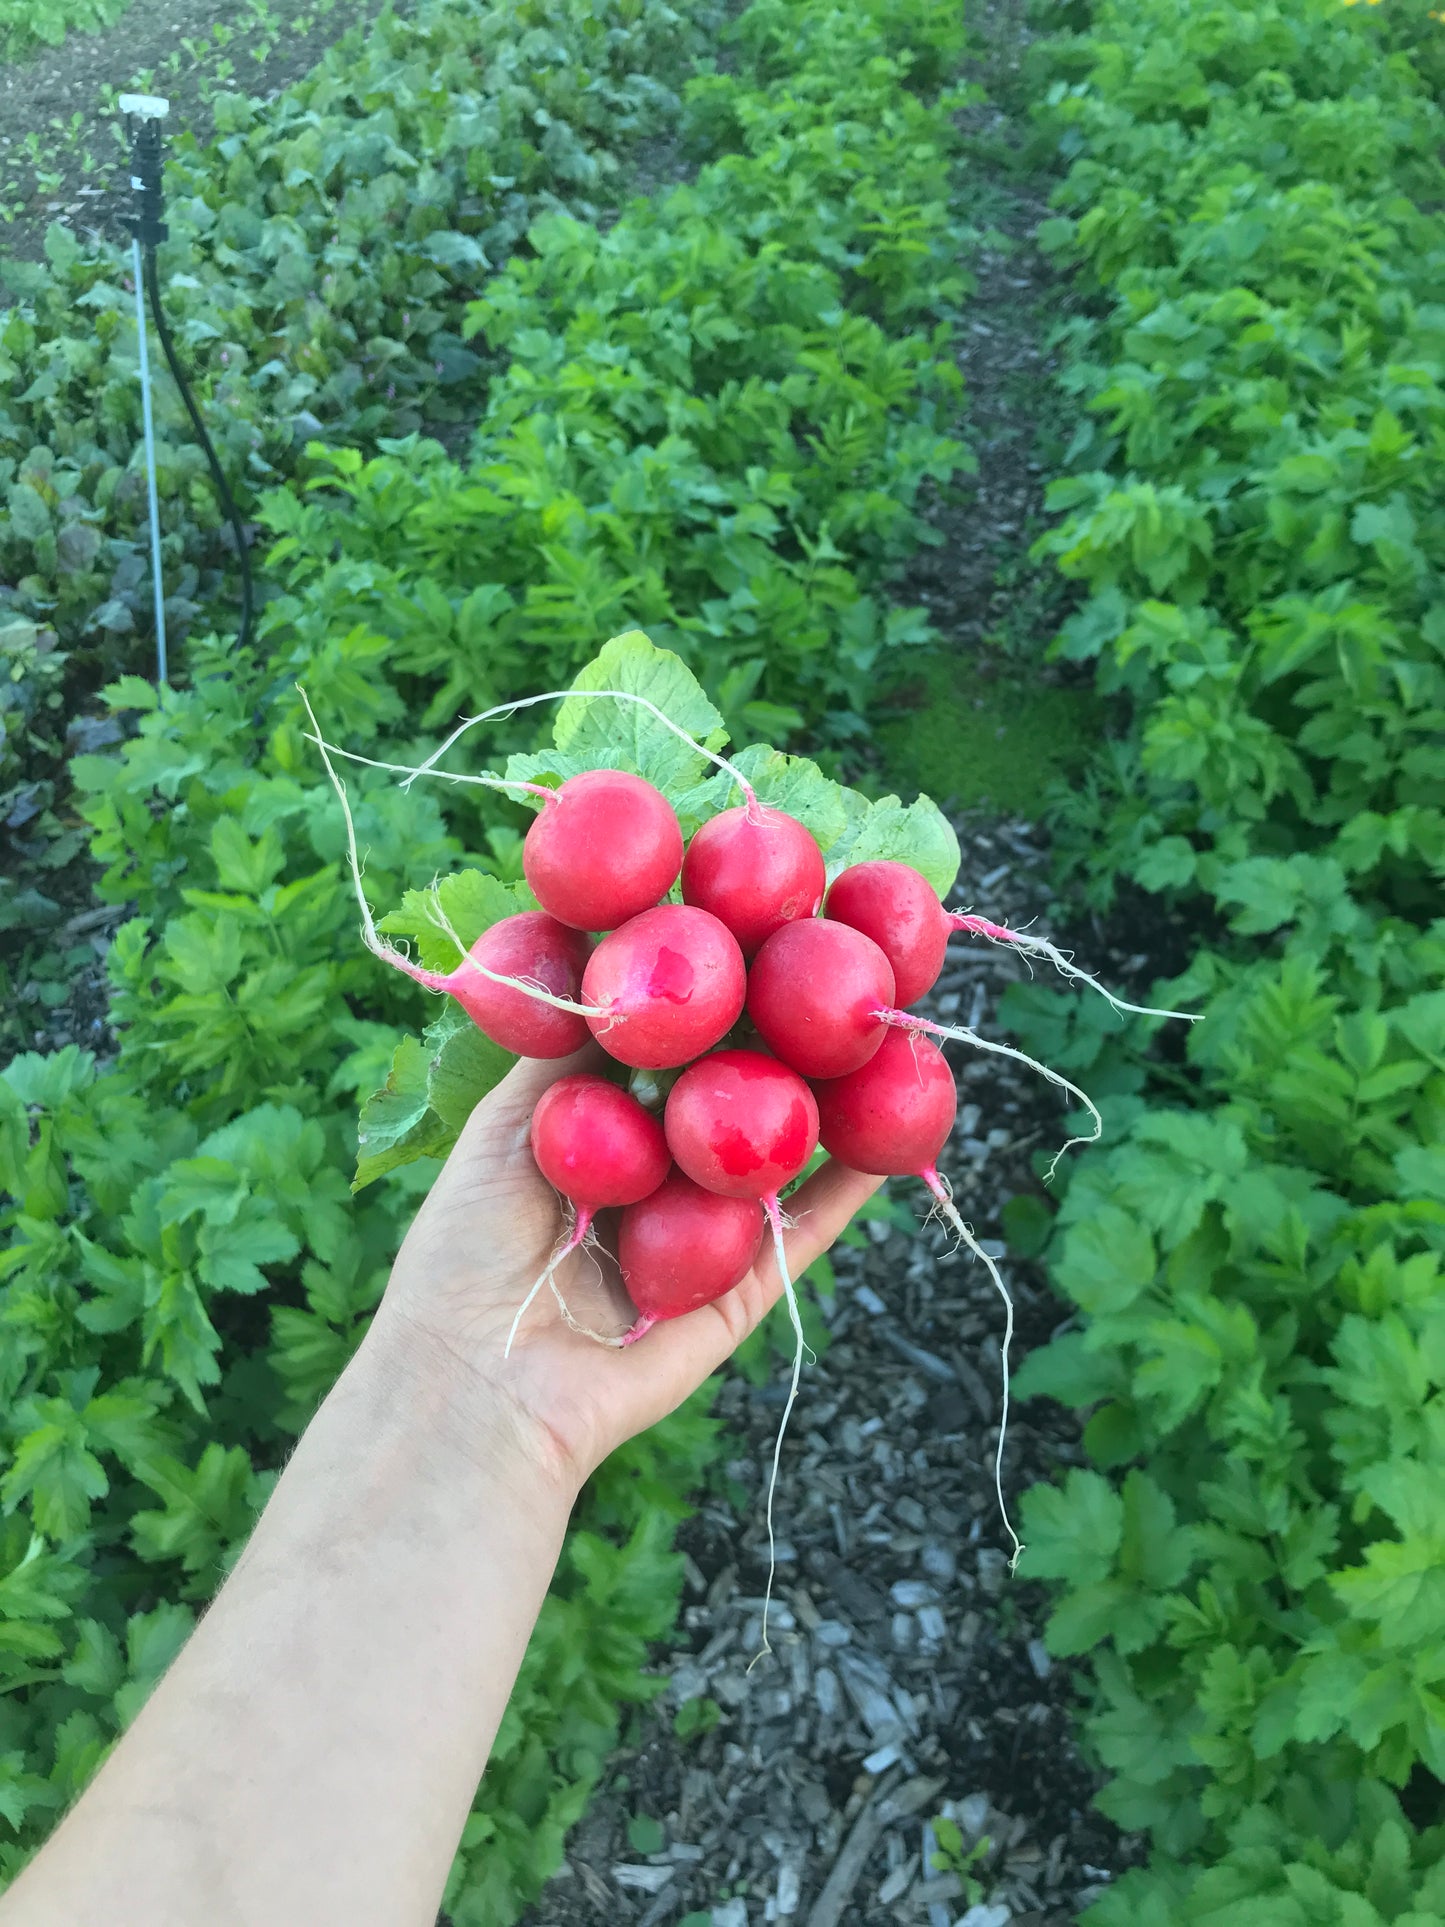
x=464 y=1420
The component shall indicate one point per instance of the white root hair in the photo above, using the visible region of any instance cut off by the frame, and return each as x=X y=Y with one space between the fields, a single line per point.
x=529 y=984
x=907 y=1021
x=944 y=1205
x=579 y=1237
x=428 y=768
x=389 y=953
x=999 y=933
x=776 y=1222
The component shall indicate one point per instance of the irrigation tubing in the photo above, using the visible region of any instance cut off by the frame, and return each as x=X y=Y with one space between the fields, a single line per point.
x=223 y=491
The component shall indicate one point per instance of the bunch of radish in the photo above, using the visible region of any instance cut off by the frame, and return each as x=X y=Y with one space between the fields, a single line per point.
x=767 y=1010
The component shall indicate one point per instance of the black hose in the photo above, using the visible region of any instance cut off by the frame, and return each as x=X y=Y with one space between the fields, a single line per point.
x=227 y=500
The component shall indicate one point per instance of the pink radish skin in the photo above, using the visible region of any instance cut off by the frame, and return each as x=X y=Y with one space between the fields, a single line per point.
x=596 y=1145
x=532 y=947
x=893 y=1116
x=606 y=847
x=669 y=985
x=741 y=1124
x=755 y=869
x=899 y=909
x=816 y=993
x=682 y=1247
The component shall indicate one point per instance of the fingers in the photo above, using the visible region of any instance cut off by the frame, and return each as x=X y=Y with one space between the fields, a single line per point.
x=675 y=1358
x=820 y=1209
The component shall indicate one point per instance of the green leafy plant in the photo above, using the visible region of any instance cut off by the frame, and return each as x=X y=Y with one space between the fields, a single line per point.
x=951 y=1856
x=1252 y=1572
x=321 y=257
x=696 y=1717
x=28 y=24
x=186 y=1265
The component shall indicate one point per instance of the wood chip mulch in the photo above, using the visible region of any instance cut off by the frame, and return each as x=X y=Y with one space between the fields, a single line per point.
x=908 y=1676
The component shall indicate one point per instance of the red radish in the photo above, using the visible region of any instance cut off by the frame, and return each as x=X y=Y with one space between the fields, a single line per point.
x=755 y=869
x=664 y=988
x=596 y=1145
x=682 y=1247
x=741 y=1124
x=898 y=908
x=816 y=992
x=822 y=995
x=745 y=1125
x=892 y=1117
x=531 y=947
x=605 y=847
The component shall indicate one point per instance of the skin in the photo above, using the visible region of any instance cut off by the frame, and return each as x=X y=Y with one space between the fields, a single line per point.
x=313 y=1752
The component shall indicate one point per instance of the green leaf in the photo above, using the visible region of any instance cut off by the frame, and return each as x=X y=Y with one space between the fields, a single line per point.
x=918 y=833
x=29 y=517
x=230 y=1256
x=61 y=1478
x=471 y=900
x=645 y=1835
x=435 y=1084
x=1107 y=1261
x=792 y=784
x=130 y=692
x=623 y=735
x=1072 y=1532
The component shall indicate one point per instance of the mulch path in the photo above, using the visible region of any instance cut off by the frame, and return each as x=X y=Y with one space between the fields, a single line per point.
x=908 y=1677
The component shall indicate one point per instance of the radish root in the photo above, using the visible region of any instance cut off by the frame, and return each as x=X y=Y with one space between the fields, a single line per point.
x=943 y=1203
x=776 y=1221
x=580 y=1235
x=1040 y=947
x=428 y=768
x=907 y=1021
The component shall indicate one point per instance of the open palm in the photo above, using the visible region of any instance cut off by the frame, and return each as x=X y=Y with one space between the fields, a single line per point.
x=487 y=1231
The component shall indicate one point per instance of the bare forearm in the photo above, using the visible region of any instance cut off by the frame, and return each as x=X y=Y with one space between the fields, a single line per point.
x=314 y=1750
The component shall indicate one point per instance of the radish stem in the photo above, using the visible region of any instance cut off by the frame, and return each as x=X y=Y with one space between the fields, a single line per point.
x=388 y=953
x=428 y=768
x=488 y=781
x=528 y=984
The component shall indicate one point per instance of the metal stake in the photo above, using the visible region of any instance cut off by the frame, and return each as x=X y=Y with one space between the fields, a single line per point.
x=150 y=442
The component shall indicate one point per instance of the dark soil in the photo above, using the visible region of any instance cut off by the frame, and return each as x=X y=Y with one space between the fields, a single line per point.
x=61 y=152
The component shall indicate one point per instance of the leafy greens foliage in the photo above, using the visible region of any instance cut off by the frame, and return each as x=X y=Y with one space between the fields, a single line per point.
x=186 y=1268
x=28 y=24
x=324 y=246
x=1255 y=520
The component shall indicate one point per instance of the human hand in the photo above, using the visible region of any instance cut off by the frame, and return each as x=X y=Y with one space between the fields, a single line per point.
x=478 y=1244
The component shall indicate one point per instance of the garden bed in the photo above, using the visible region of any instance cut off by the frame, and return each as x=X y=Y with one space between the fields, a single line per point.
x=62 y=155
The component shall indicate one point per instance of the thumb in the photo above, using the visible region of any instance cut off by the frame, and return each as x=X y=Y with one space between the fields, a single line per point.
x=510 y=1104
